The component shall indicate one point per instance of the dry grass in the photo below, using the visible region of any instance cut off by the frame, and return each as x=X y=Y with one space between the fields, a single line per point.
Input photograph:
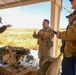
x=21 y=38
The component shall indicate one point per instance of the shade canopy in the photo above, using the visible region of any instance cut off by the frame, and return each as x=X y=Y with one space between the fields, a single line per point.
x=15 y=3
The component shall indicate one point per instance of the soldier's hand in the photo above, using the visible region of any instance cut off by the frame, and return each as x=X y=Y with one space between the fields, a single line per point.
x=34 y=32
x=58 y=34
x=51 y=36
x=40 y=33
x=8 y=25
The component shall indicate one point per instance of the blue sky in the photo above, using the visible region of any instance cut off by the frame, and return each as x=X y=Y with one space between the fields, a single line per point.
x=31 y=16
x=64 y=13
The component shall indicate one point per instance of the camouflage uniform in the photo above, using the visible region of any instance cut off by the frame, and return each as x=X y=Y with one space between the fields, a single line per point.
x=45 y=43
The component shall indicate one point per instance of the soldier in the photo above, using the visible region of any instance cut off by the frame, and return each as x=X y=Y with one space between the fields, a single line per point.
x=44 y=37
x=63 y=41
x=65 y=63
x=4 y=27
x=70 y=46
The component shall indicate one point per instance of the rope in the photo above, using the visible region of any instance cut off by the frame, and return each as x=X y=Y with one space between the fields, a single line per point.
x=66 y=9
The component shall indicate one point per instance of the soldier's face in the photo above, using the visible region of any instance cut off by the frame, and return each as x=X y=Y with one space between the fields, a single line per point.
x=74 y=4
x=45 y=24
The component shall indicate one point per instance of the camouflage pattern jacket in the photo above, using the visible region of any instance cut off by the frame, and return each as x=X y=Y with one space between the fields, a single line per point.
x=45 y=42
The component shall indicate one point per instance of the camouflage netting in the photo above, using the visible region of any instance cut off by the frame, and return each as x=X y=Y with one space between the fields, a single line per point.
x=19 y=51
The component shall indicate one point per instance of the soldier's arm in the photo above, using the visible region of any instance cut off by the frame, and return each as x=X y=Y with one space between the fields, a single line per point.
x=49 y=34
x=46 y=34
x=70 y=34
x=3 y=28
x=36 y=36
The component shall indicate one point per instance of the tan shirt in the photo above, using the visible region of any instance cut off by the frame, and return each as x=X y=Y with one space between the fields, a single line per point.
x=70 y=37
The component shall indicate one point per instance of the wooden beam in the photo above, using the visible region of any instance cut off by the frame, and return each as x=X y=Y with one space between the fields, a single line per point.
x=52 y=0
x=55 y=20
x=59 y=3
x=21 y=3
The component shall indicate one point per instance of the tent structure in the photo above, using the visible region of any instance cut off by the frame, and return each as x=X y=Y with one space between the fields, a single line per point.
x=56 y=6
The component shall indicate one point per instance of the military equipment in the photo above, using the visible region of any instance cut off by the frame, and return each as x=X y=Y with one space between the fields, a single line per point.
x=54 y=32
x=10 y=57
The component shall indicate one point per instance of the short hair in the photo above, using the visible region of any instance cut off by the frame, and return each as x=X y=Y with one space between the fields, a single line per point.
x=46 y=20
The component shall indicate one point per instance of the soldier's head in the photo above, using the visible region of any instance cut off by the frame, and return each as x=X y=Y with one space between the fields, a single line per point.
x=45 y=23
x=73 y=2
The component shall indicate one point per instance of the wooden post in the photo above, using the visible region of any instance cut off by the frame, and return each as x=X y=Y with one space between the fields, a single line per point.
x=55 y=20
